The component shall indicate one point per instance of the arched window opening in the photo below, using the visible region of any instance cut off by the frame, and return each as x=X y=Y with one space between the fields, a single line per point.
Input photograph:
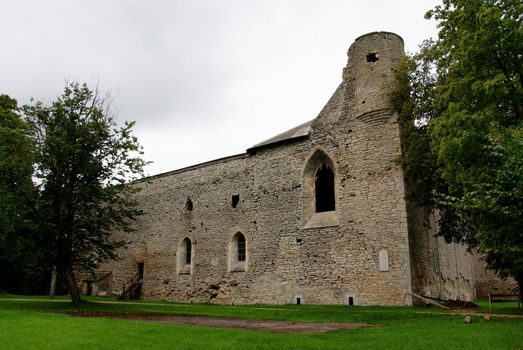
x=238 y=253
x=319 y=192
x=324 y=187
x=241 y=246
x=184 y=257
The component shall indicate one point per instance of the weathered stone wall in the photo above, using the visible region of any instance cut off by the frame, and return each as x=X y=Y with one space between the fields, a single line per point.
x=209 y=225
x=439 y=270
x=487 y=281
x=357 y=253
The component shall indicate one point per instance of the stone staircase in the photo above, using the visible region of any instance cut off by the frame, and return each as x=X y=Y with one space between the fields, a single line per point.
x=132 y=289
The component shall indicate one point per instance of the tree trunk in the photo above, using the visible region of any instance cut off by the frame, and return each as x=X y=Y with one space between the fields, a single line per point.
x=73 y=287
x=52 y=288
x=519 y=280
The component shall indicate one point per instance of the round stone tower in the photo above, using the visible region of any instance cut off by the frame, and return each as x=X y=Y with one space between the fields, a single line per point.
x=370 y=75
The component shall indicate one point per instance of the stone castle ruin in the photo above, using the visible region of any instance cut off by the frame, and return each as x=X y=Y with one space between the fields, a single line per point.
x=314 y=215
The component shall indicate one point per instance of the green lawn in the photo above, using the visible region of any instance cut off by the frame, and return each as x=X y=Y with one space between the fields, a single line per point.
x=29 y=324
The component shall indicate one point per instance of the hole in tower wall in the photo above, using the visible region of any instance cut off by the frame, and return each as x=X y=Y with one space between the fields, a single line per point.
x=372 y=57
x=298 y=301
x=351 y=301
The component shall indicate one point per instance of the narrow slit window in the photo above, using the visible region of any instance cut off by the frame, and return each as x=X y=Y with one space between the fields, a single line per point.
x=140 y=270
x=188 y=252
x=188 y=204
x=235 y=200
x=324 y=186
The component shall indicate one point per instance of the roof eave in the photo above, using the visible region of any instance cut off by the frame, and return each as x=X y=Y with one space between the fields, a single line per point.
x=277 y=143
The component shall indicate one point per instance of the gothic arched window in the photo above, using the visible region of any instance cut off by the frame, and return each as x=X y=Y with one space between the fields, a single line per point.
x=185 y=256
x=238 y=253
x=319 y=191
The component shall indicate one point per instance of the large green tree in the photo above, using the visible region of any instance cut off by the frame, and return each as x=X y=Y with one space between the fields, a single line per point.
x=23 y=261
x=83 y=164
x=467 y=93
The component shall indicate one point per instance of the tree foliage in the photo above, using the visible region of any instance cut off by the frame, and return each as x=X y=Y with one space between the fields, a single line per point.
x=16 y=150
x=83 y=164
x=409 y=98
x=471 y=149
x=23 y=261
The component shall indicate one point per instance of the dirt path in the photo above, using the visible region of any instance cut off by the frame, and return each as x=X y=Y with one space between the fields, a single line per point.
x=470 y=313
x=246 y=323
x=225 y=322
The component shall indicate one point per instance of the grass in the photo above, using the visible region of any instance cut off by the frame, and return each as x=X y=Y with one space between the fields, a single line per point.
x=500 y=307
x=26 y=324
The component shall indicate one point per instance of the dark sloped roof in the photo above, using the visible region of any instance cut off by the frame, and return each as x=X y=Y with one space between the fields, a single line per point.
x=300 y=131
x=96 y=276
x=297 y=132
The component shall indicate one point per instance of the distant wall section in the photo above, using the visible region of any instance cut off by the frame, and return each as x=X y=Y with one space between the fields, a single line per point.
x=440 y=270
x=488 y=281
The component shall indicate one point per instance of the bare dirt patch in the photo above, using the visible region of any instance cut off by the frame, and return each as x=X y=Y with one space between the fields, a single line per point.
x=460 y=305
x=225 y=322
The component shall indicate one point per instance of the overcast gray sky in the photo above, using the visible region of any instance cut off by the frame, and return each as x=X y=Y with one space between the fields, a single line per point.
x=203 y=79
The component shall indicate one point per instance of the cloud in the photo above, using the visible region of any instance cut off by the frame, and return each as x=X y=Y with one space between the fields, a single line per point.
x=203 y=79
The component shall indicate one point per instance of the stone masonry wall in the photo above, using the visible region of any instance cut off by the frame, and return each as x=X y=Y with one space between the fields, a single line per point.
x=210 y=225
x=358 y=253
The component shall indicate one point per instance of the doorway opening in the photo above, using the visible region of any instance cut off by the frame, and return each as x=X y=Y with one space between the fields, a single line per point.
x=89 y=288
